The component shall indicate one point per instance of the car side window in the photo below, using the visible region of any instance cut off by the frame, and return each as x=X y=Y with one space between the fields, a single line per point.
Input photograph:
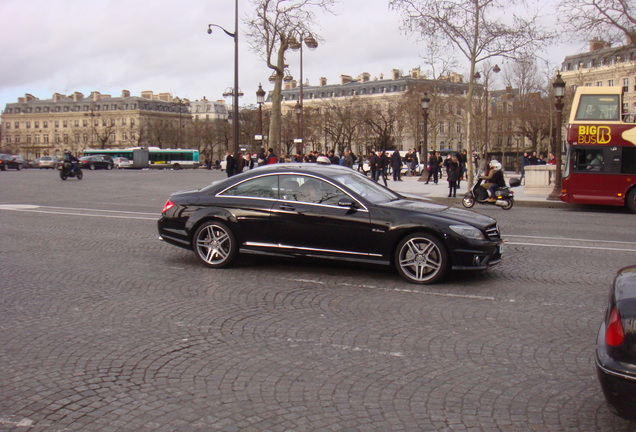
x=310 y=190
x=261 y=187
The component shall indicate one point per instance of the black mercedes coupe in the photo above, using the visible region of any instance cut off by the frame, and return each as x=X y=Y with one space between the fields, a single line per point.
x=616 y=346
x=327 y=212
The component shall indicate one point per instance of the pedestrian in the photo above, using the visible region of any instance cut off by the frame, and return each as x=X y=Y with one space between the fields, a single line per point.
x=415 y=162
x=523 y=163
x=374 y=163
x=230 y=164
x=384 y=166
x=240 y=163
x=408 y=160
x=348 y=159
x=433 y=167
x=271 y=157
x=396 y=166
x=453 y=174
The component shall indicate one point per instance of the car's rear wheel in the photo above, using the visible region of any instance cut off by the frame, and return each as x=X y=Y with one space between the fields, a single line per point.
x=421 y=258
x=215 y=245
x=92 y=167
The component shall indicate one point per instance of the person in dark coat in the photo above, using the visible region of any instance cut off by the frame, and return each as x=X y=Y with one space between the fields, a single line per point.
x=453 y=174
x=396 y=166
x=230 y=164
x=433 y=167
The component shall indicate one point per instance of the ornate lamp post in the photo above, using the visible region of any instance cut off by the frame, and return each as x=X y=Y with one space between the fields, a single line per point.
x=495 y=69
x=298 y=109
x=296 y=45
x=260 y=100
x=425 y=102
x=235 y=121
x=559 y=93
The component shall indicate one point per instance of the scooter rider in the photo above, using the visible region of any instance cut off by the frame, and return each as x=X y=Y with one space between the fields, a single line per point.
x=494 y=179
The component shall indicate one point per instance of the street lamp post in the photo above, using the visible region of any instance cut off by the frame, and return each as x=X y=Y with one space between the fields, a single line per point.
x=559 y=93
x=298 y=109
x=235 y=122
x=260 y=100
x=296 y=45
x=425 y=102
x=495 y=69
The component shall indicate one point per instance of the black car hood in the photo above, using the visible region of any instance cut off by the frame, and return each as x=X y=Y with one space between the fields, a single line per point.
x=433 y=208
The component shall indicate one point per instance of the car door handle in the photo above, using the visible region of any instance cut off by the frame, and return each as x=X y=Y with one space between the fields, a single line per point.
x=287 y=207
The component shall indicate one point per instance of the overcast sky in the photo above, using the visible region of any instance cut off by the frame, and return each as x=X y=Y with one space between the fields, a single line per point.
x=162 y=45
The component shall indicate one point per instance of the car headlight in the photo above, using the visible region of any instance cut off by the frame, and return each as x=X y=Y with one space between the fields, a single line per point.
x=467 y=231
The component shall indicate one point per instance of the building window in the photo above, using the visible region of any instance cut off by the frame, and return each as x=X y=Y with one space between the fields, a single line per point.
x=7 y=126
x=65 y=123
x=599 y=83
x=28 y=139
x=16 y=125
x=76 y=123
x=7 y=139
x=610 y=83
x=85 y=123
x=57 y=124
x=37 y=139
x=46 y=109
x=65 y=138
x=132 y=122
x=625 y=84
x=28 y=125
x=36 y=124
x=66 y=109
x=123 y=122
x=45 y=138
x=17 y=139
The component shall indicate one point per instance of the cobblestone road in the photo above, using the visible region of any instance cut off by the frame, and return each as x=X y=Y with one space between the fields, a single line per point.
x=105 y=328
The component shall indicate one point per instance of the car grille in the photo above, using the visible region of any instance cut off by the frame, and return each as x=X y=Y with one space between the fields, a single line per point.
x=493 y=232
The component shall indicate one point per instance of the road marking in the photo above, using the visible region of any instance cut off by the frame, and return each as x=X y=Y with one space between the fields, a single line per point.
x=70 y=211
x=572 y=246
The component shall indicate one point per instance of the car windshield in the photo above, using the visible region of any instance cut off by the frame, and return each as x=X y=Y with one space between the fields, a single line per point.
x=366 y=188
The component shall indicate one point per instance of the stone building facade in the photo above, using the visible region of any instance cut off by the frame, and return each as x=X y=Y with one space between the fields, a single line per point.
x=446 y=120
x=604 y=65
x=33 y=127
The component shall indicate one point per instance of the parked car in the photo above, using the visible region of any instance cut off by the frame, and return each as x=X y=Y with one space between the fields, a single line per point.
x=122 y=162
x=96 y=162
x=8 y=162
x=616 y=346
x=331 y=212
x=20 y=160
x=46 y=162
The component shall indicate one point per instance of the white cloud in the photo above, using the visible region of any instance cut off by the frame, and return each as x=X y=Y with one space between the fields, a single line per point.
x=163 y=46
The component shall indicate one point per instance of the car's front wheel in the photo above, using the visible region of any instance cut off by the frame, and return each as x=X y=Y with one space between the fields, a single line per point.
x=215 y=245
x=421 y=258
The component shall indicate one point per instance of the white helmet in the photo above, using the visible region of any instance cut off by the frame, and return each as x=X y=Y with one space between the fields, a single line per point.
x=495 y=164
x=323 y=160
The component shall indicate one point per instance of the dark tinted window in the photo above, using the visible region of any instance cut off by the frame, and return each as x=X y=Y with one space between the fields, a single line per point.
x=628 y=161
x=261 y=187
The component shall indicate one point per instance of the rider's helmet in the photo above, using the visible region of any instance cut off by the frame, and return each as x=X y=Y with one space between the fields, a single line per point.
x=495 y=164
x=323 y=160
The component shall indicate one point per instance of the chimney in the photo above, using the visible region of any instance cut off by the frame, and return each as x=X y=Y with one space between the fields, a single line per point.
x=364 y=77
x=77 y=96
x=415 y=73
x=28 y=97
x=146 y=94
x=598 y=44
x=57 y=97
x=125 y=94
x=395 y=73
x=323 y=81
x=345 y=79
x=96 y=96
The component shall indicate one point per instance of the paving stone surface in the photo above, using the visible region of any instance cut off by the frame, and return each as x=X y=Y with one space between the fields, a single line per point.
x=105 y=328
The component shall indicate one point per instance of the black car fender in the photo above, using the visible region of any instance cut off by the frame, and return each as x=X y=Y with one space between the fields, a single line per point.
x=204 y=214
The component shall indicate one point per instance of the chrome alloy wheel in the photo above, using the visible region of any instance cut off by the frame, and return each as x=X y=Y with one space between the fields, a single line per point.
x=421 y=258
x=215 y=244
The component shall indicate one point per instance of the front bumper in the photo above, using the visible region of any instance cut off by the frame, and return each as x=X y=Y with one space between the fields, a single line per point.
x=477 y=259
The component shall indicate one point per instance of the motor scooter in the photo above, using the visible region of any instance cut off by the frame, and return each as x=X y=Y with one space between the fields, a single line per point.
x=70 y=169
x=504 y=197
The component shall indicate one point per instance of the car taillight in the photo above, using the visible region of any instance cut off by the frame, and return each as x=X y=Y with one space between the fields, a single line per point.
x=614 y=335
x=167 y=206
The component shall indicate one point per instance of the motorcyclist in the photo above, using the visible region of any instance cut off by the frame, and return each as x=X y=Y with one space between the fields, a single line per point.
x=493 y=180
x=68 y=157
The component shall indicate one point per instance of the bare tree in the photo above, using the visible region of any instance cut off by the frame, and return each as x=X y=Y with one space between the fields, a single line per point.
x=614 y=19
x=276 y=25
x=476 y=29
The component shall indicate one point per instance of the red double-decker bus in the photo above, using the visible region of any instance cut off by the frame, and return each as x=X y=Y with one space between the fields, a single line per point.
x=600 y=165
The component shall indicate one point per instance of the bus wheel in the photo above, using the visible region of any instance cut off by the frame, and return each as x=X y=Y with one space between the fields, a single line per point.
x=176 y=166
x=631 y=200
